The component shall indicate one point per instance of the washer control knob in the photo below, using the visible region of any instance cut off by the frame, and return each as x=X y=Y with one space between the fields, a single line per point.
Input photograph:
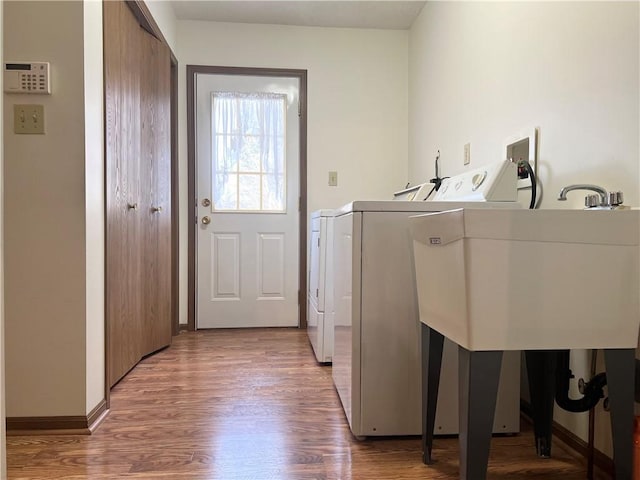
x=477 y=180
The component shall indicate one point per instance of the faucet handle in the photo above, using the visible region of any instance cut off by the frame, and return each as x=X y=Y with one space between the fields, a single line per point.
x=615 y=198
x=591 y=201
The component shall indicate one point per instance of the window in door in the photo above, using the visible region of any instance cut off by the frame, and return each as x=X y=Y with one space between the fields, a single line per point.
x=249 y=173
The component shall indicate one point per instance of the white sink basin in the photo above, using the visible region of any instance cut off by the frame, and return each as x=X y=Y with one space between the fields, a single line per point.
x=530 y=279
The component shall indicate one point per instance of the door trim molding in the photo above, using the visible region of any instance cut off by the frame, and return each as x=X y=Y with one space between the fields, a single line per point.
x=301 y=75
x=175 y=203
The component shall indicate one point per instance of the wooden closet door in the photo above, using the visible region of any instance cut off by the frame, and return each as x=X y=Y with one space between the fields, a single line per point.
x=155 y=110
x=122 y=105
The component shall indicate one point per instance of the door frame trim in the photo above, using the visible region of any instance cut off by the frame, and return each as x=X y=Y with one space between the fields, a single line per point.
x=301 y=75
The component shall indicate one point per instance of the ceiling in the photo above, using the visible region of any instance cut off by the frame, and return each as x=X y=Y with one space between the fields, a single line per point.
x=394 y=14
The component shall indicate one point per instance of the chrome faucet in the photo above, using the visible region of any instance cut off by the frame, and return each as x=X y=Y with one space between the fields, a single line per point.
x=604 y=195
x=602 y=201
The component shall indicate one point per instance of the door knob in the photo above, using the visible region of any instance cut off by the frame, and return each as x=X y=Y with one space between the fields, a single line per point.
x=206 y=202
x=206 y=220
x=132 y=206
x=156 y=209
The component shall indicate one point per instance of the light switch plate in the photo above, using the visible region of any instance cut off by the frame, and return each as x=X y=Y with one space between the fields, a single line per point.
x=467 y=154
x=28 y=119
x=333 y=179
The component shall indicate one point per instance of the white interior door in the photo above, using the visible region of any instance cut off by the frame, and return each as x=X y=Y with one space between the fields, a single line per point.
x=247 y=160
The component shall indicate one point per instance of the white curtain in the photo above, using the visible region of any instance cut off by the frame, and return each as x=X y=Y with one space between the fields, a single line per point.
x=249 y=151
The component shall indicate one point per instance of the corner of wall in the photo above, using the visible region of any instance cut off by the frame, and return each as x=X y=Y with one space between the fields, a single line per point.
x=94 y=204
x=44 y=179
x=165 y=17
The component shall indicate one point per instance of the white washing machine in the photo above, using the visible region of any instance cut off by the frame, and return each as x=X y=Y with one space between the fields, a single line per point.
x=377 y=354
x=320 y=295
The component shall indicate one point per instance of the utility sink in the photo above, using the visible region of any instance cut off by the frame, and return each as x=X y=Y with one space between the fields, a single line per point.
x=530 y=279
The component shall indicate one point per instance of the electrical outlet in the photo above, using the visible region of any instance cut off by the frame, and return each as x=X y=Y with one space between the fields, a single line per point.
x=467 y=154
x=333 y=179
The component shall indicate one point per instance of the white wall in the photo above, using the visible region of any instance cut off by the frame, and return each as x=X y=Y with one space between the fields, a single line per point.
x=53 y=314
x=163 y=14
x=357 y=104
x=94 y=203
x=479 y=72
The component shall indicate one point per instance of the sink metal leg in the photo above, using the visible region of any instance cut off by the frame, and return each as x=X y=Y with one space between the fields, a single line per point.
x=620 y=365
x=432 y=344
x=479 y=375
x=541 y=373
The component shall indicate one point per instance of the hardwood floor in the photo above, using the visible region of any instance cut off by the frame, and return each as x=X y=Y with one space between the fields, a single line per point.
x=250 y=404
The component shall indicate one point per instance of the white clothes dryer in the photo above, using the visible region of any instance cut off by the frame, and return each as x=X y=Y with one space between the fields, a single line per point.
x=320 y=294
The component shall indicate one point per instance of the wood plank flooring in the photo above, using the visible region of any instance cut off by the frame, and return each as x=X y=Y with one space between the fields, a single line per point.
x=250 y=404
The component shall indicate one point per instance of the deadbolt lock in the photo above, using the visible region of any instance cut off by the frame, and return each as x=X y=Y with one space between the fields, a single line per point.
x=206 y=202
x=206 y=220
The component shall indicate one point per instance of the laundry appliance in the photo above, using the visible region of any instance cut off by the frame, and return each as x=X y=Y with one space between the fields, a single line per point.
x=320 y=309
x=377 y=353
x=320 y=295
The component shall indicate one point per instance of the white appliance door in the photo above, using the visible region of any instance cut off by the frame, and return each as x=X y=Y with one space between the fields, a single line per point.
x=346 y=348
x=313 y=315
x=248 y=219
